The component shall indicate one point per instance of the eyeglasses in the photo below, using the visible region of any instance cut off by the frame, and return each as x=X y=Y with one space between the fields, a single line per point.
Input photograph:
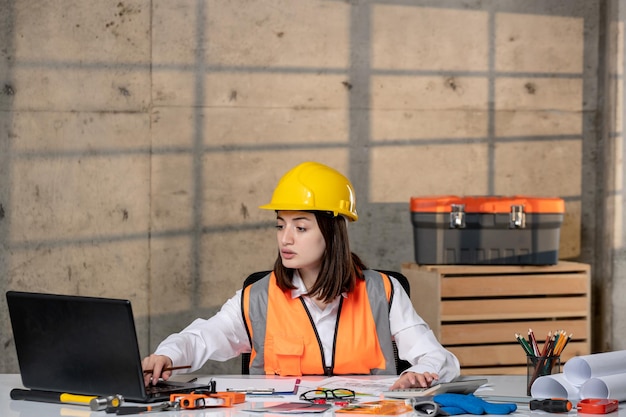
x=323 y=396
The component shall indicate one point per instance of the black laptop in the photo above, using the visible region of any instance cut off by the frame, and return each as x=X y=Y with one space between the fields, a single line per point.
x=82 y=345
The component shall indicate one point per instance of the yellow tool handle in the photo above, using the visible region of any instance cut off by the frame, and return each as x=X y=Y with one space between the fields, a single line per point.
x=76 y=399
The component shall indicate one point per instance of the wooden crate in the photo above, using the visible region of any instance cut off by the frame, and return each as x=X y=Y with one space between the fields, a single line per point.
x=475 y=310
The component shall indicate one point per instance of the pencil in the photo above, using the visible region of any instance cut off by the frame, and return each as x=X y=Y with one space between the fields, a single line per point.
x=546 y=345
x=524 y=344
x=533 y=341
x=173 y=368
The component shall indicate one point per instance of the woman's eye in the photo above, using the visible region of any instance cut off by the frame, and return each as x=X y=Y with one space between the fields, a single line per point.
x=279 y=227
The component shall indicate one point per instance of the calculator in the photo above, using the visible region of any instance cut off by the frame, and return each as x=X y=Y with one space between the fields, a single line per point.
x=458 y=386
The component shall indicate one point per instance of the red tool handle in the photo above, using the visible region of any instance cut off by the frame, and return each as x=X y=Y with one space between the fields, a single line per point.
x=597 y=406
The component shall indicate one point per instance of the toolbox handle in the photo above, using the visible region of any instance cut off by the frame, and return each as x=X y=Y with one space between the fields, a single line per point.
x=518 y=217
x=457 y=216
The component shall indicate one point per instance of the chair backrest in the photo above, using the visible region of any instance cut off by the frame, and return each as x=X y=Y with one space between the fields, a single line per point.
x=401 y=364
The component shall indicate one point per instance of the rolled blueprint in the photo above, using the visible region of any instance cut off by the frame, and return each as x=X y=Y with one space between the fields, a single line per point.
x=580 y=369
x=611 y=386
x=599 y=375
x=554 y=386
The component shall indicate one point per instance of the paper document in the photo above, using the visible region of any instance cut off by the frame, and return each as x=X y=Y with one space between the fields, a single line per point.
x=257 y=385
x=361 y=386
x=293 y=408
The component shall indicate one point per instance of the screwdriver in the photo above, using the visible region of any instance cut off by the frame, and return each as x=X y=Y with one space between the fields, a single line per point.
x=553 y=405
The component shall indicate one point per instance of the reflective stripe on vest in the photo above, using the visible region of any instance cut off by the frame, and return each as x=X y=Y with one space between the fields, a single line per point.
x=284 y=341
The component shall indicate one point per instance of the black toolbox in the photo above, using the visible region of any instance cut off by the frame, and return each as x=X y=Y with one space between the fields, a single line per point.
x=515 y=230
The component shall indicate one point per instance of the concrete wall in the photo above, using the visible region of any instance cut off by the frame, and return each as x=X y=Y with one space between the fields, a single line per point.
x=138 y=137
x=614 y=291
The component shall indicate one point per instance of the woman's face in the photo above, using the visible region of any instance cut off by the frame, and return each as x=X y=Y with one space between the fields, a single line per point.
x=300 y=240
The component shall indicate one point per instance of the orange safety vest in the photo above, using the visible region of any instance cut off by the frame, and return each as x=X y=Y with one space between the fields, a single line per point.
x=285 y=342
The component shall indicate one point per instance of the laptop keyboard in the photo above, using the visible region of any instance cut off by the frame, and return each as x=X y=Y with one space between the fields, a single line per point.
x=155 y=389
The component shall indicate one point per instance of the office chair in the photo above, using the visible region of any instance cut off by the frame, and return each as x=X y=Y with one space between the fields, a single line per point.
x=401 y=365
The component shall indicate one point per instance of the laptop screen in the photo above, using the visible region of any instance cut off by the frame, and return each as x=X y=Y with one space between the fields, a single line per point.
x=80 y=345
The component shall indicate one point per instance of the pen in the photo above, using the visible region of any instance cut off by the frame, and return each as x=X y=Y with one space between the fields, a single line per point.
x=173 y=368
x=252 y=391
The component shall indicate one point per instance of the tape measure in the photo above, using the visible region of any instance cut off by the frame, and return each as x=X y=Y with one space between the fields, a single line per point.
x=597 y=406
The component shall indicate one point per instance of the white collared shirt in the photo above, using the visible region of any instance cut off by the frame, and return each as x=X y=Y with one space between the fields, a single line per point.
x=224 y=335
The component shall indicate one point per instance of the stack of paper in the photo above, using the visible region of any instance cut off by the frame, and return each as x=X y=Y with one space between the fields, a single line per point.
x=600 y=375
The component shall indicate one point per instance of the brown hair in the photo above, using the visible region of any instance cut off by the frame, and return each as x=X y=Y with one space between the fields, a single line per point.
x=340 y=266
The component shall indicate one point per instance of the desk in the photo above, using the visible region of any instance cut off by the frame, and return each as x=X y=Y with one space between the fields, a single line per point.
x=509 y=385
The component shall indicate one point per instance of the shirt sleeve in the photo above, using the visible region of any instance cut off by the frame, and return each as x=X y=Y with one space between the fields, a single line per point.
x=219 y=338
x=416 y=342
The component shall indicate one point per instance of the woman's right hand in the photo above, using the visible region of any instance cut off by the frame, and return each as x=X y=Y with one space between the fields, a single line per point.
x=155 y=364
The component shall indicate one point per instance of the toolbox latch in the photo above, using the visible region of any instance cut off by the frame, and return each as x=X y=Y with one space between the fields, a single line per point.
x=518 y=217
x=457 y=216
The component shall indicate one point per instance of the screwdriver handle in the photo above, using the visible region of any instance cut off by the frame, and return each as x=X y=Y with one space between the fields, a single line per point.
x=553 y=405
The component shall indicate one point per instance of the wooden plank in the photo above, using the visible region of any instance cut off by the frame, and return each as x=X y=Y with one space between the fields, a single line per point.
x=505 y=355
x=514 y=285
x=425 y=295
x=562 y=266
x=503 y=332
x=519 y=308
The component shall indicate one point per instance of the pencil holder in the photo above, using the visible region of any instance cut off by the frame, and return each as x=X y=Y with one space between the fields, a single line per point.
x=537 y=366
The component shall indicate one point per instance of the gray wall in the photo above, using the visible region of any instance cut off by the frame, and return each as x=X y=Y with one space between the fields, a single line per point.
x=138 y=137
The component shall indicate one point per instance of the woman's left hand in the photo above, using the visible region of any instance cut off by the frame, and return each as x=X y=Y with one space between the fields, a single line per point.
x=415 y=380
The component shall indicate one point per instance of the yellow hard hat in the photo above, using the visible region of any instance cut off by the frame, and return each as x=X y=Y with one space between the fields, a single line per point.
x=314 y=186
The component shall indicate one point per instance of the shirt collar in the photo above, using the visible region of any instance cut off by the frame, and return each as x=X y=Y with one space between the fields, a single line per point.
x=301 y=288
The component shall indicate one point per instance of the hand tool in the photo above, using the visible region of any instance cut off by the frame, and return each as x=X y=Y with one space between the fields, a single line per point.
x=597 y=406
x=551 y=405
x=95 y=402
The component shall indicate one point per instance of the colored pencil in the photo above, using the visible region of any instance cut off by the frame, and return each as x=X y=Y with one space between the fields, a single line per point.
x=173 y=368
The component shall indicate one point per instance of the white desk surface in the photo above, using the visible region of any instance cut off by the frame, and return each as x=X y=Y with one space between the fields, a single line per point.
x=502 y=385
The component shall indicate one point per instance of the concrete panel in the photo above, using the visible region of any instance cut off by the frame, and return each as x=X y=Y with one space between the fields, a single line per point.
x=618 y=180
x=538 y=43
x=428 y=124
x=539 y=94
x=227 y=258
x=172 y=193
x=619 y=105
x=429 y=92
x=233 y=256
x=175 y=128
x=82 y=193
x=73 y=55
x=618 y=238
x=538 y=123
x=280 y=126
x=72 y=89
x=273 y=33
x=50 y=135
x=254 y=90
x=538 y=168
x=261 y=34
x=171 y=260
x=78 y=199
x=401 y=172
x=106 y=268
x=411 y=36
